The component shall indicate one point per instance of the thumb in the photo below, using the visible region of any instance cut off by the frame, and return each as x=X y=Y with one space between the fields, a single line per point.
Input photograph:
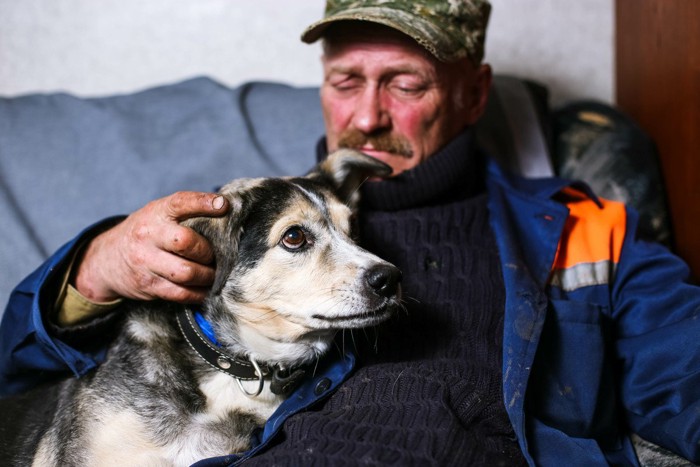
x=187 y=204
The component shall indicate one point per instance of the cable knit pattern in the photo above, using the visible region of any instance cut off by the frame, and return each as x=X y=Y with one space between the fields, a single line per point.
x=428 y=390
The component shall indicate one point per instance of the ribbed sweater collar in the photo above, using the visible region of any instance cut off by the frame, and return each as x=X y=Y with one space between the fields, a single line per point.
x=454 y=172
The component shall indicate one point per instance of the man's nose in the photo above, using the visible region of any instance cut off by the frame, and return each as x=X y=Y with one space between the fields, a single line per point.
x=370 y=112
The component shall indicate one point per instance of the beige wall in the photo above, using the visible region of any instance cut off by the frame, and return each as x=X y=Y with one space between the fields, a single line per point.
x=98 y=47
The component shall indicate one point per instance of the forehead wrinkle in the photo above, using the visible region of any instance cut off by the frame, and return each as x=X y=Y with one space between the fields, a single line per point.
x=389 y=71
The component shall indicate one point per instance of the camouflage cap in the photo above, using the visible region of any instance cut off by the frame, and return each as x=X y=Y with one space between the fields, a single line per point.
x=449 y=29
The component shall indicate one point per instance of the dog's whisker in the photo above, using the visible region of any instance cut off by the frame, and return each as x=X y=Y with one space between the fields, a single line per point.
x=354 y=343
x=343 y=341
x=318 y=359
x=267 y=316
x=356 y=190
x=396 y=381
x=367 y=339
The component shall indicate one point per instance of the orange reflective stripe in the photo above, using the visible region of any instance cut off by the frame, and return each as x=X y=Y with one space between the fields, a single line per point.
x=590 y=246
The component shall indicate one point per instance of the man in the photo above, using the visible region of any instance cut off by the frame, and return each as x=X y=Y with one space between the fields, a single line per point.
x=539 y=329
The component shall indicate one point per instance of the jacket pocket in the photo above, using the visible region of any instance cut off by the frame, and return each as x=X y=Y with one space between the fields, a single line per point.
x=572 y=385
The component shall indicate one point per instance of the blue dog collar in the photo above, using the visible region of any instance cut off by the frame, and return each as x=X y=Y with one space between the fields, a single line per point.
x=205 y=327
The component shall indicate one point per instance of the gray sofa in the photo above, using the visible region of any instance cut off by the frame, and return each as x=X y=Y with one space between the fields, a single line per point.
x=67 y=162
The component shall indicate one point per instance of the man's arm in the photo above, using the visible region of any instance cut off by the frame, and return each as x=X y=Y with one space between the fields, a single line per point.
x=148 y=255
x=658 y=345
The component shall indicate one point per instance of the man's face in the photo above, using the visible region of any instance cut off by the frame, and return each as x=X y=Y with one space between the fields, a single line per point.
x=387 y=96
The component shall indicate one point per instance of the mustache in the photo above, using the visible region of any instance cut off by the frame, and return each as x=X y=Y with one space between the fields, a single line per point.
x=380 y=141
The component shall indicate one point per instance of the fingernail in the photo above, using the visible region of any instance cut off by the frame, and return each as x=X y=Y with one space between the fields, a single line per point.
x=218 y=202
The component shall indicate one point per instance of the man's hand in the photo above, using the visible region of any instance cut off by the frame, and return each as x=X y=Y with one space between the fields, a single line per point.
x=150 y=255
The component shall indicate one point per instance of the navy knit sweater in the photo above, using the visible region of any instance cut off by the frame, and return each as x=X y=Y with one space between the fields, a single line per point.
x=428 y=390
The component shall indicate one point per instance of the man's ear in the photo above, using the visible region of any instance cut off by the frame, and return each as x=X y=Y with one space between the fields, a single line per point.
x=345 y=170
x=224 y=232
x=479 y=93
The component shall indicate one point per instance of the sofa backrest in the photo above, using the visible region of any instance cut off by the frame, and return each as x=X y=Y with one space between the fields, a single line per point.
x=66 y=162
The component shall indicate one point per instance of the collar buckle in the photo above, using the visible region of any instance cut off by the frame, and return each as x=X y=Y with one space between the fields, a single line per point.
x=241 y=369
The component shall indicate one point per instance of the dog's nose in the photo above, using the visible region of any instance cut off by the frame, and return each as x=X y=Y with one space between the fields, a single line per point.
x=384 y=279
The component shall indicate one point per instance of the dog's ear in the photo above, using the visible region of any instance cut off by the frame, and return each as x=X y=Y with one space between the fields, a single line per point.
x=224 y=232
x=346 y=170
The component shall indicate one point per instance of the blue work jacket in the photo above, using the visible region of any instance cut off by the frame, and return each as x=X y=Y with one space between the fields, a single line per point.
x=601 y=332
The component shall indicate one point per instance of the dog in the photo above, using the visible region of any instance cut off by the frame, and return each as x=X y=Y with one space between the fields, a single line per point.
x=180 y=384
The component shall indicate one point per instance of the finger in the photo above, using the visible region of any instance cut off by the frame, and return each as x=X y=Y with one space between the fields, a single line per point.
x=172 y=282
x=187 y=204
x=182 y=272
x=186 y=243
x=172 y=292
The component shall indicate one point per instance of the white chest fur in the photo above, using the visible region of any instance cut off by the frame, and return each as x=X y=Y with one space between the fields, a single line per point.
x=223 y=396
x=125 y=438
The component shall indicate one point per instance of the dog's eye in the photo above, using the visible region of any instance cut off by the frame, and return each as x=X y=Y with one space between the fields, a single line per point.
x=294 y=238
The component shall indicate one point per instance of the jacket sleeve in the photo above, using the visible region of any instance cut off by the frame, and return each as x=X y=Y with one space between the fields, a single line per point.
x=658 y=344
x=32 y=350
